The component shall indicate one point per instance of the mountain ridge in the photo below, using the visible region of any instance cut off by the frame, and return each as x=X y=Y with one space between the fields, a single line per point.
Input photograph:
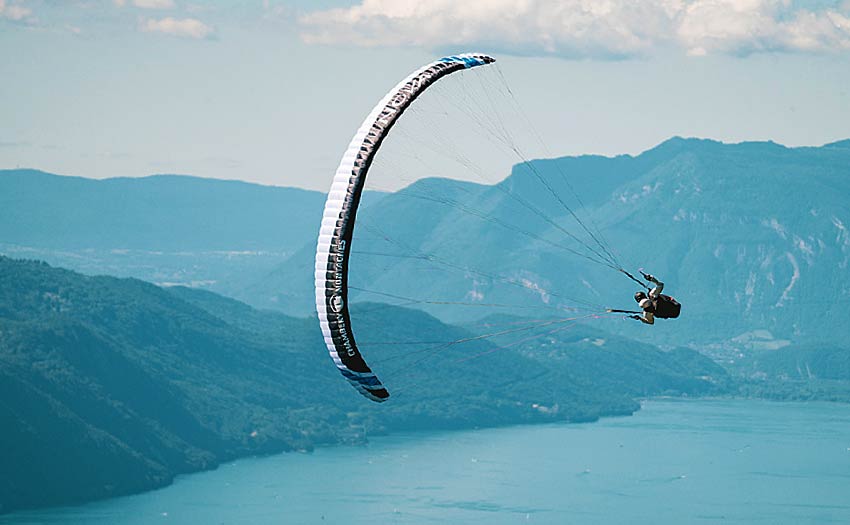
x=708 y=200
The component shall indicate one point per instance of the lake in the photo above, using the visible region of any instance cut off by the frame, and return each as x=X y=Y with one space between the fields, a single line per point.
x=675 y=461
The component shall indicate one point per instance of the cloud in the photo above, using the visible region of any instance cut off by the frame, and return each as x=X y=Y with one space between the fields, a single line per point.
x=14 y=12
x=147 y=4
x=154 y=4
x=585 y=28
x=745 y=27
x=182 y=27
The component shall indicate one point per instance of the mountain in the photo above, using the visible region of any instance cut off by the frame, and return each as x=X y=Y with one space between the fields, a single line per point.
x=161 y=212
x=112 y=386
x=804 y=361
x=166 y=228
x=749 y=237
x=796 y=372
x=753 y=235
x=580 y=354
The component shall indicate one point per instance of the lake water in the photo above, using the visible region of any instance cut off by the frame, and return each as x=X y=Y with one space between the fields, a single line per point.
x=673 y=462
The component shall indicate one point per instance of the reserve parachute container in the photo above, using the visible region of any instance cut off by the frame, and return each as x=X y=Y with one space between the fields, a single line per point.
x=334 y=244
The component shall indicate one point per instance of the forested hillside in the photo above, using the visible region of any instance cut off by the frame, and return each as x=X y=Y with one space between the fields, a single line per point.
x=112 y=386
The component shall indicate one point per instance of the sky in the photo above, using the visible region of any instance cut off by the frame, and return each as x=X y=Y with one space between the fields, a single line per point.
x=272 y=91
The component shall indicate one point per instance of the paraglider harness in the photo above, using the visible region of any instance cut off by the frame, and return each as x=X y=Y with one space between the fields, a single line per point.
x=663 y=307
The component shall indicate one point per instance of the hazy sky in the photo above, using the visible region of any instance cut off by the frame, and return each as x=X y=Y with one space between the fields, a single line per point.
x=271 y=92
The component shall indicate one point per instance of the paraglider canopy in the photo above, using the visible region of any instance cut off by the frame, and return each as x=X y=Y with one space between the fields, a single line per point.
x=335 y=237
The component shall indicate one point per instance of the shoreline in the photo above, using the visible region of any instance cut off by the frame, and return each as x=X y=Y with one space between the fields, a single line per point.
x=412 y=433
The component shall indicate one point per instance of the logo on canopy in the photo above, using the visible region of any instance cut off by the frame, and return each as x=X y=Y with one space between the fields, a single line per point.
x=337 y=303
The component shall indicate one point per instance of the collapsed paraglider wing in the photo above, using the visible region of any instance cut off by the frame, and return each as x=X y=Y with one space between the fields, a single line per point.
x=334 y=245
